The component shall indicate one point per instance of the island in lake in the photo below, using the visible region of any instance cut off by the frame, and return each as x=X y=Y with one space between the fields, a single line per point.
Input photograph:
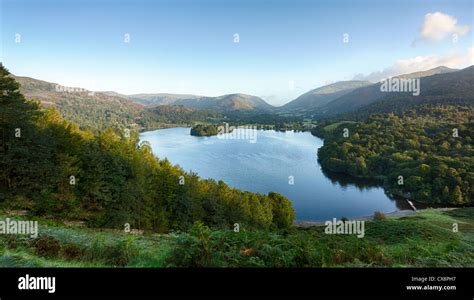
x=204 y=130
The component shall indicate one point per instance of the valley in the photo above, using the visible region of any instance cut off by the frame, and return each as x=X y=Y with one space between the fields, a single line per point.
x=250 y=149
x=167 y=179
x=325 y=111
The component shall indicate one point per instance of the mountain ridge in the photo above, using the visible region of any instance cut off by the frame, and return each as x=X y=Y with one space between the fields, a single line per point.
x=432 y=85
x=81 y=106
x=320 y=96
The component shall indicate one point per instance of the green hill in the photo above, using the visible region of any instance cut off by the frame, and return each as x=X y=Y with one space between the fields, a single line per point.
x=90 y=110
x=312 y=100
x=54 y=169
x=445 y=86
x=228 y=103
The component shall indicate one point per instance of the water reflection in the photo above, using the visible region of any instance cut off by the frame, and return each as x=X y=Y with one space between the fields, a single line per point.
x=344 y=180
x=267 y=165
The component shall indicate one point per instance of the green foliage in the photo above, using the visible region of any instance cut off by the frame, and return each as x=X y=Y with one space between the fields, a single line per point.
x=91 y=111
x=264 y=249
x=283 y=213
x=102 y=110
x=172 y=115
x=115 y=179
x=421 y=145
x=424 y=239
x=418 y=240
x=204 y=130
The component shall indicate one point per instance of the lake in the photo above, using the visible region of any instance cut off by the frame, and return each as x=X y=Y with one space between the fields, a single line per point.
x=283 y=162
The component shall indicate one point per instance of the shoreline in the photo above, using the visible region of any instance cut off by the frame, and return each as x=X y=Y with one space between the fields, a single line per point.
x=398 y=213
x=391 y=194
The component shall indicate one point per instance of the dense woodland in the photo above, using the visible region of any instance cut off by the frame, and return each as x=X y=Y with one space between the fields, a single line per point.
x=52 y=168
x=424 y=153
x=204 y=130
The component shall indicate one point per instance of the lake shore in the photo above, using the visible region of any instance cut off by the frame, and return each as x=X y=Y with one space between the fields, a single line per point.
x=275 y=162
x=396 y=214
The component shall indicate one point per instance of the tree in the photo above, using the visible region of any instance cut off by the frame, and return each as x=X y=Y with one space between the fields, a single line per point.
x=283 y=213
x=445 y=194
x=457 y=195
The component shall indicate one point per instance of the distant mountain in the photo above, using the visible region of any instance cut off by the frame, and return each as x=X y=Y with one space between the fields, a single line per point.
x=100 y=110
x=112 y=93
x=446 y=88
x=91 y=110
x=437 y=70
x=166 y=115
x=228 y=103
x=321 y=96
x=434 y=83
x=225 y=103
x=160 y=99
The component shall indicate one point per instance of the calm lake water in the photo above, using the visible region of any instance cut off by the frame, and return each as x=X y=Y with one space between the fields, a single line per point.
x=267 y=164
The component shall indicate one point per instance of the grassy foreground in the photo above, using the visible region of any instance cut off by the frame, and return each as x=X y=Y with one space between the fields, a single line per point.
x=424 y=239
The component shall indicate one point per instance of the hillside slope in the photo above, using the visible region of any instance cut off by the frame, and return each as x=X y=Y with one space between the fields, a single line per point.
x=160 y=99
x=226 y=103
x=90 y=110
x=444 y=86
x=318 y=97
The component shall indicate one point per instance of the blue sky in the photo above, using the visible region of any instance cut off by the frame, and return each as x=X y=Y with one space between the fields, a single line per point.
x=285 y=48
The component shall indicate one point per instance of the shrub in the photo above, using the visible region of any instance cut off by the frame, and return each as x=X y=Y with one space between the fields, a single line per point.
x=378 y=216
x=121 y=253
x=72 y=251
x=46 y=246
x=193 y=249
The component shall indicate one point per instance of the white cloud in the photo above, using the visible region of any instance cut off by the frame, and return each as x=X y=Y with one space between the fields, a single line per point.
x=437 y=26
x=421 y=63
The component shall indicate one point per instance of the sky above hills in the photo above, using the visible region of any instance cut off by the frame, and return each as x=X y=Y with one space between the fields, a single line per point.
x=273 y=49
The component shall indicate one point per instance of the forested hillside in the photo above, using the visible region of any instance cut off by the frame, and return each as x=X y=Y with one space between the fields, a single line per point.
x=97 y=111
x=159 y=99
x=52 y=168
x=424 y=153
x=91 y=111
x=176 y=115
x=228 y=103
